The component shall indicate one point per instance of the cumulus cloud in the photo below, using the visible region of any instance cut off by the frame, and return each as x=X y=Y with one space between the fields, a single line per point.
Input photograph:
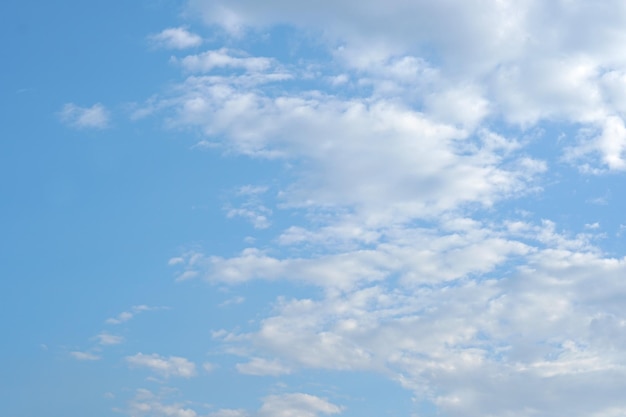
x=406 y=161
x=528 y=62
x=166 y=367
x=549 y=324
x=176 y=38
x=94 y=117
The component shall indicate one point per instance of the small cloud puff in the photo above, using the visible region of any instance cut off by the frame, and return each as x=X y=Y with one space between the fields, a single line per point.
x=176 y=38
x=96 y=116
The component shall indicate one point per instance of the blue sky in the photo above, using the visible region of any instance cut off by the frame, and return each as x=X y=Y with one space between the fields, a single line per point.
x=306 y=209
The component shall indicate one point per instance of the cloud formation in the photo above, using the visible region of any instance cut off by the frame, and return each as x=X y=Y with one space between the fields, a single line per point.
x=525 y=63
x=414 y=134
x=408 y=149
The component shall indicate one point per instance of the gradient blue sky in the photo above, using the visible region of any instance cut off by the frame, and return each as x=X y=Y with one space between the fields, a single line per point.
x=299 y=209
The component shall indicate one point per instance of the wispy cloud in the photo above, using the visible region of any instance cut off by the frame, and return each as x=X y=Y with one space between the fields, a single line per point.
x=94 y=117
x=147 y=403
x=260 y=366
x=107 y=339
x=173 y=366
x=125 y=316
x=85 y=356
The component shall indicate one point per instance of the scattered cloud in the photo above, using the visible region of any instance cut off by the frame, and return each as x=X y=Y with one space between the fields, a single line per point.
x=260 y=366
x=176 y=38
x=125 y=316
x=233 y=301
x=166 y=367
x=146 y=403
x=296 y=405
x=224 y=58
x=107 y=339
x=230 y=413
x=85 y=356
x=94 y=117
x=407 y=156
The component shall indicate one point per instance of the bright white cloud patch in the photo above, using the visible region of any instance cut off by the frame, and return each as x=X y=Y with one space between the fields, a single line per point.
x=526 y=62
x=176 y=38
x=95 y=117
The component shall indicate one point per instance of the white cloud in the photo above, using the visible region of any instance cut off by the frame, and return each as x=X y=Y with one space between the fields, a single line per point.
x=176 y=38
x=255 y=215
x=109 y=339
x=224 y=58
x=525 y=62
x=125 y=316
x=296 y=405
x=145 y=403
x=393 y=166
x=232 y=301
x=85 y=356
x=260 y=366
x=381 y=159
x=96 y=116
x=229 y=413
x=550 y=323
x=172 y=366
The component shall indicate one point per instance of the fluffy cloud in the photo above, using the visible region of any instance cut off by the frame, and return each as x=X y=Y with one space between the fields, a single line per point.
x=383 y=160
x=95 y=117
x=176 y=38
x=528 y=62
x=549 y=326
x=172 y=366
x=401 y=152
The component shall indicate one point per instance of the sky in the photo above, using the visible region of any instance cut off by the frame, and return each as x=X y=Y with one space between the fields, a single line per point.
x=237 y=208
